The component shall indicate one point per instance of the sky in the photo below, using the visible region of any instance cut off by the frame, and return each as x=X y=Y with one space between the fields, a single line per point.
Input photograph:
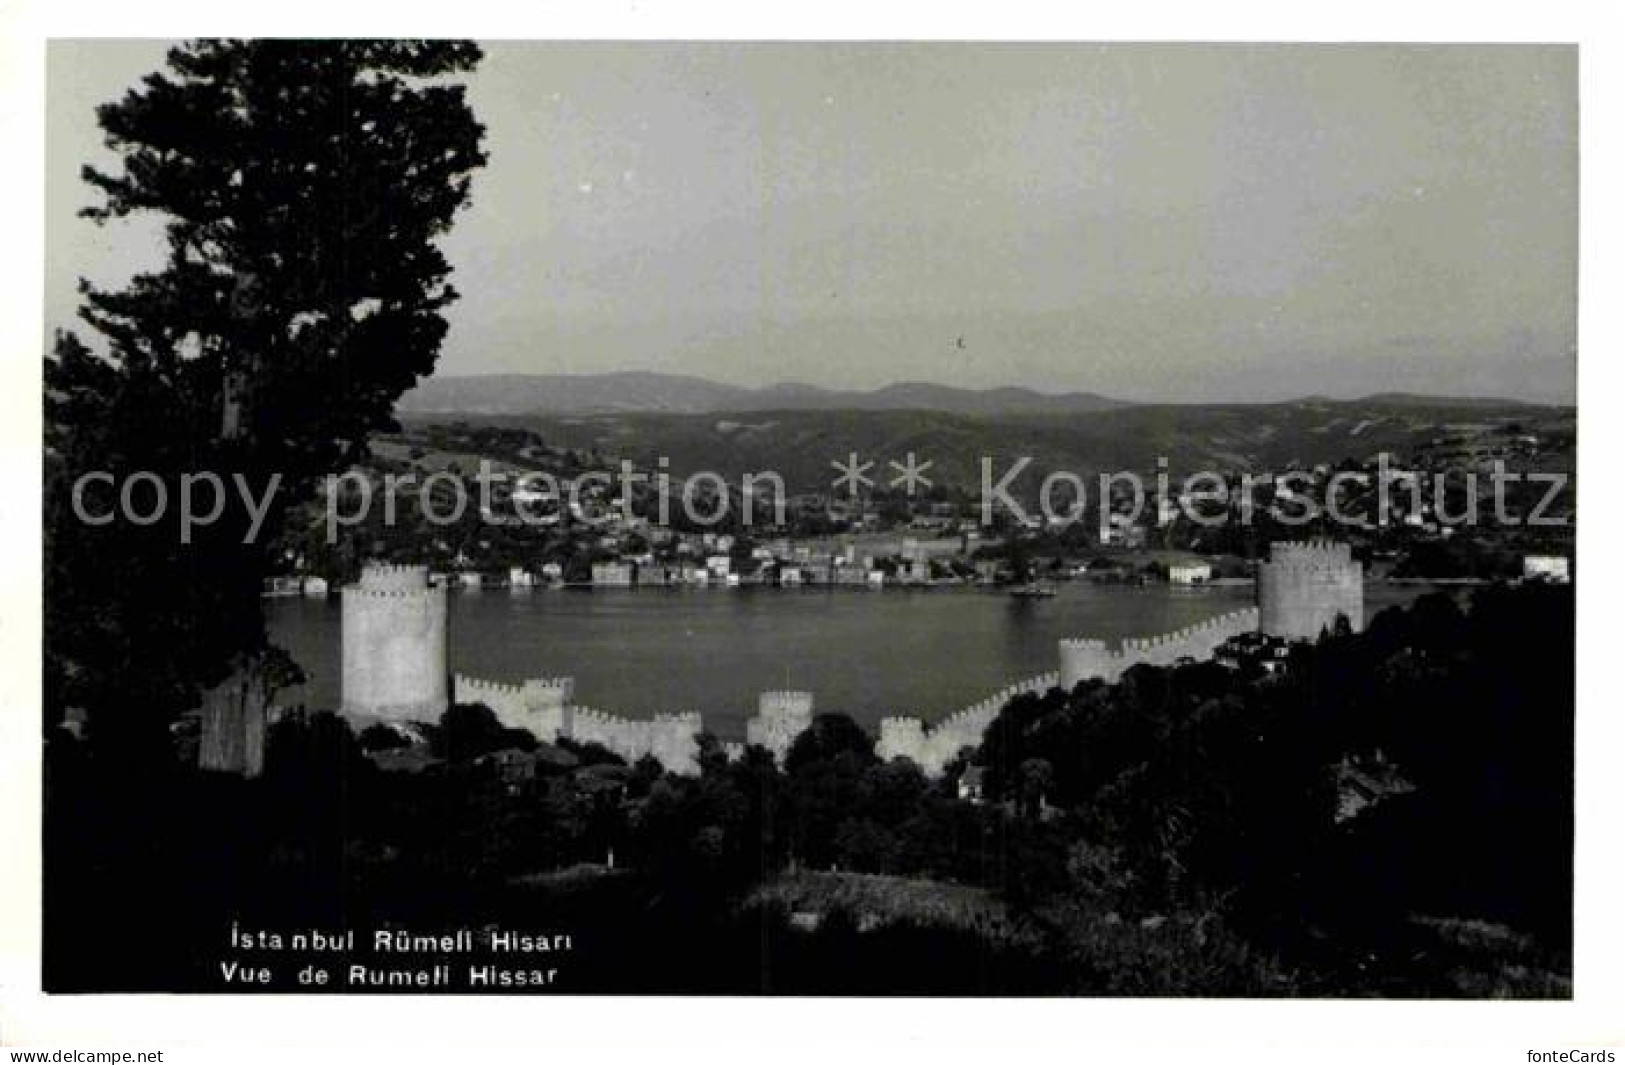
x=1183 y=223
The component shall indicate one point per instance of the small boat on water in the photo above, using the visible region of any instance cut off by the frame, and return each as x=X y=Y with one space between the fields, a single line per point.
x=1033 y=590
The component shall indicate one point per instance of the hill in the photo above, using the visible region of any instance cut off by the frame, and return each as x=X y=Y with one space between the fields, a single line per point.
x=801 y=444
x=638 y=391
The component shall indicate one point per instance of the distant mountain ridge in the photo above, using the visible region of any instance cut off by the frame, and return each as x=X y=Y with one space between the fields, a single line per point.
x=646 y=392
x=1412 y=399
x=635 y=391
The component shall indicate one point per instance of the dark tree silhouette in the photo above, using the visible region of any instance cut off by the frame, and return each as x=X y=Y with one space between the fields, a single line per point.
x=303 y=184
x=468 y=730
x=829 y=736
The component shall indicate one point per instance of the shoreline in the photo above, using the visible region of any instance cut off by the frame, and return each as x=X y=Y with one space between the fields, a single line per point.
x=907 y=586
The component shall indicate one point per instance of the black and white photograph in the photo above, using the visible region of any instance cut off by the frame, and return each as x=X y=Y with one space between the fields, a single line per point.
x=824 y=519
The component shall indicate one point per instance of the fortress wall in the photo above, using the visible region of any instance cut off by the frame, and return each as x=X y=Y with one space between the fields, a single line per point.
x=1305 y=586
x=549 y=691
x=394 y=645
x=674 y=742
x=1302 y=585
x=932 y=748
x=671 y=739
x=1089 y=659
x=901 y=737
x=539 y=705
x=1196 y=641
x=1085 y=659
x=547 y=706
x=628 y=738
x=507 y=701
x=549 y=722
x=1302 y=588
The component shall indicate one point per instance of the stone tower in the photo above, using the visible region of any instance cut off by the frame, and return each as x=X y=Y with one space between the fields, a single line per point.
x=781 y=716
x=1305 y=586
x=395 y=642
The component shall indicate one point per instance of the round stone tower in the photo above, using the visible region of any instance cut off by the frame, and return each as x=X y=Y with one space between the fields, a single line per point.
x=1305 y=586
x=395 y=639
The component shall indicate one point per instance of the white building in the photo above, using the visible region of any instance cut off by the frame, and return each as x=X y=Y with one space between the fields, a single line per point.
x=971 y=784
x=1194 y=572
x=1553 y=568
x=612 y=574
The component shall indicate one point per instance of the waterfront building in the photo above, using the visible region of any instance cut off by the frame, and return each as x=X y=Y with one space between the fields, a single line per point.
x=1553 y=568
x=1189 y=572
x=612 y=574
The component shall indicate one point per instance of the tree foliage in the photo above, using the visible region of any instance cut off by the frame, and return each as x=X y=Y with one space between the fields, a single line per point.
x=303 y=185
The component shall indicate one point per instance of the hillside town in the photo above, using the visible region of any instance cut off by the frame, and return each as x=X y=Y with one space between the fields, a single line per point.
x=1429 y=523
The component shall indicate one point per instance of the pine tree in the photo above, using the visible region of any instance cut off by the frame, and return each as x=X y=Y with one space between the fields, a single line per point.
x=303 y=185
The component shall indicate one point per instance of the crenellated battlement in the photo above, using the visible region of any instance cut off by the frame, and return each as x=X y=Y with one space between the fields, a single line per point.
x=933 y=747
x=543 y=707
x=392 y=578
x=474 y=690
x=388 y=595
x=1087 y=659
x=1310 y=553
x=548 y=691
x=586 y=718
x=539 y=705
x=784 y=702
x=900 y=737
